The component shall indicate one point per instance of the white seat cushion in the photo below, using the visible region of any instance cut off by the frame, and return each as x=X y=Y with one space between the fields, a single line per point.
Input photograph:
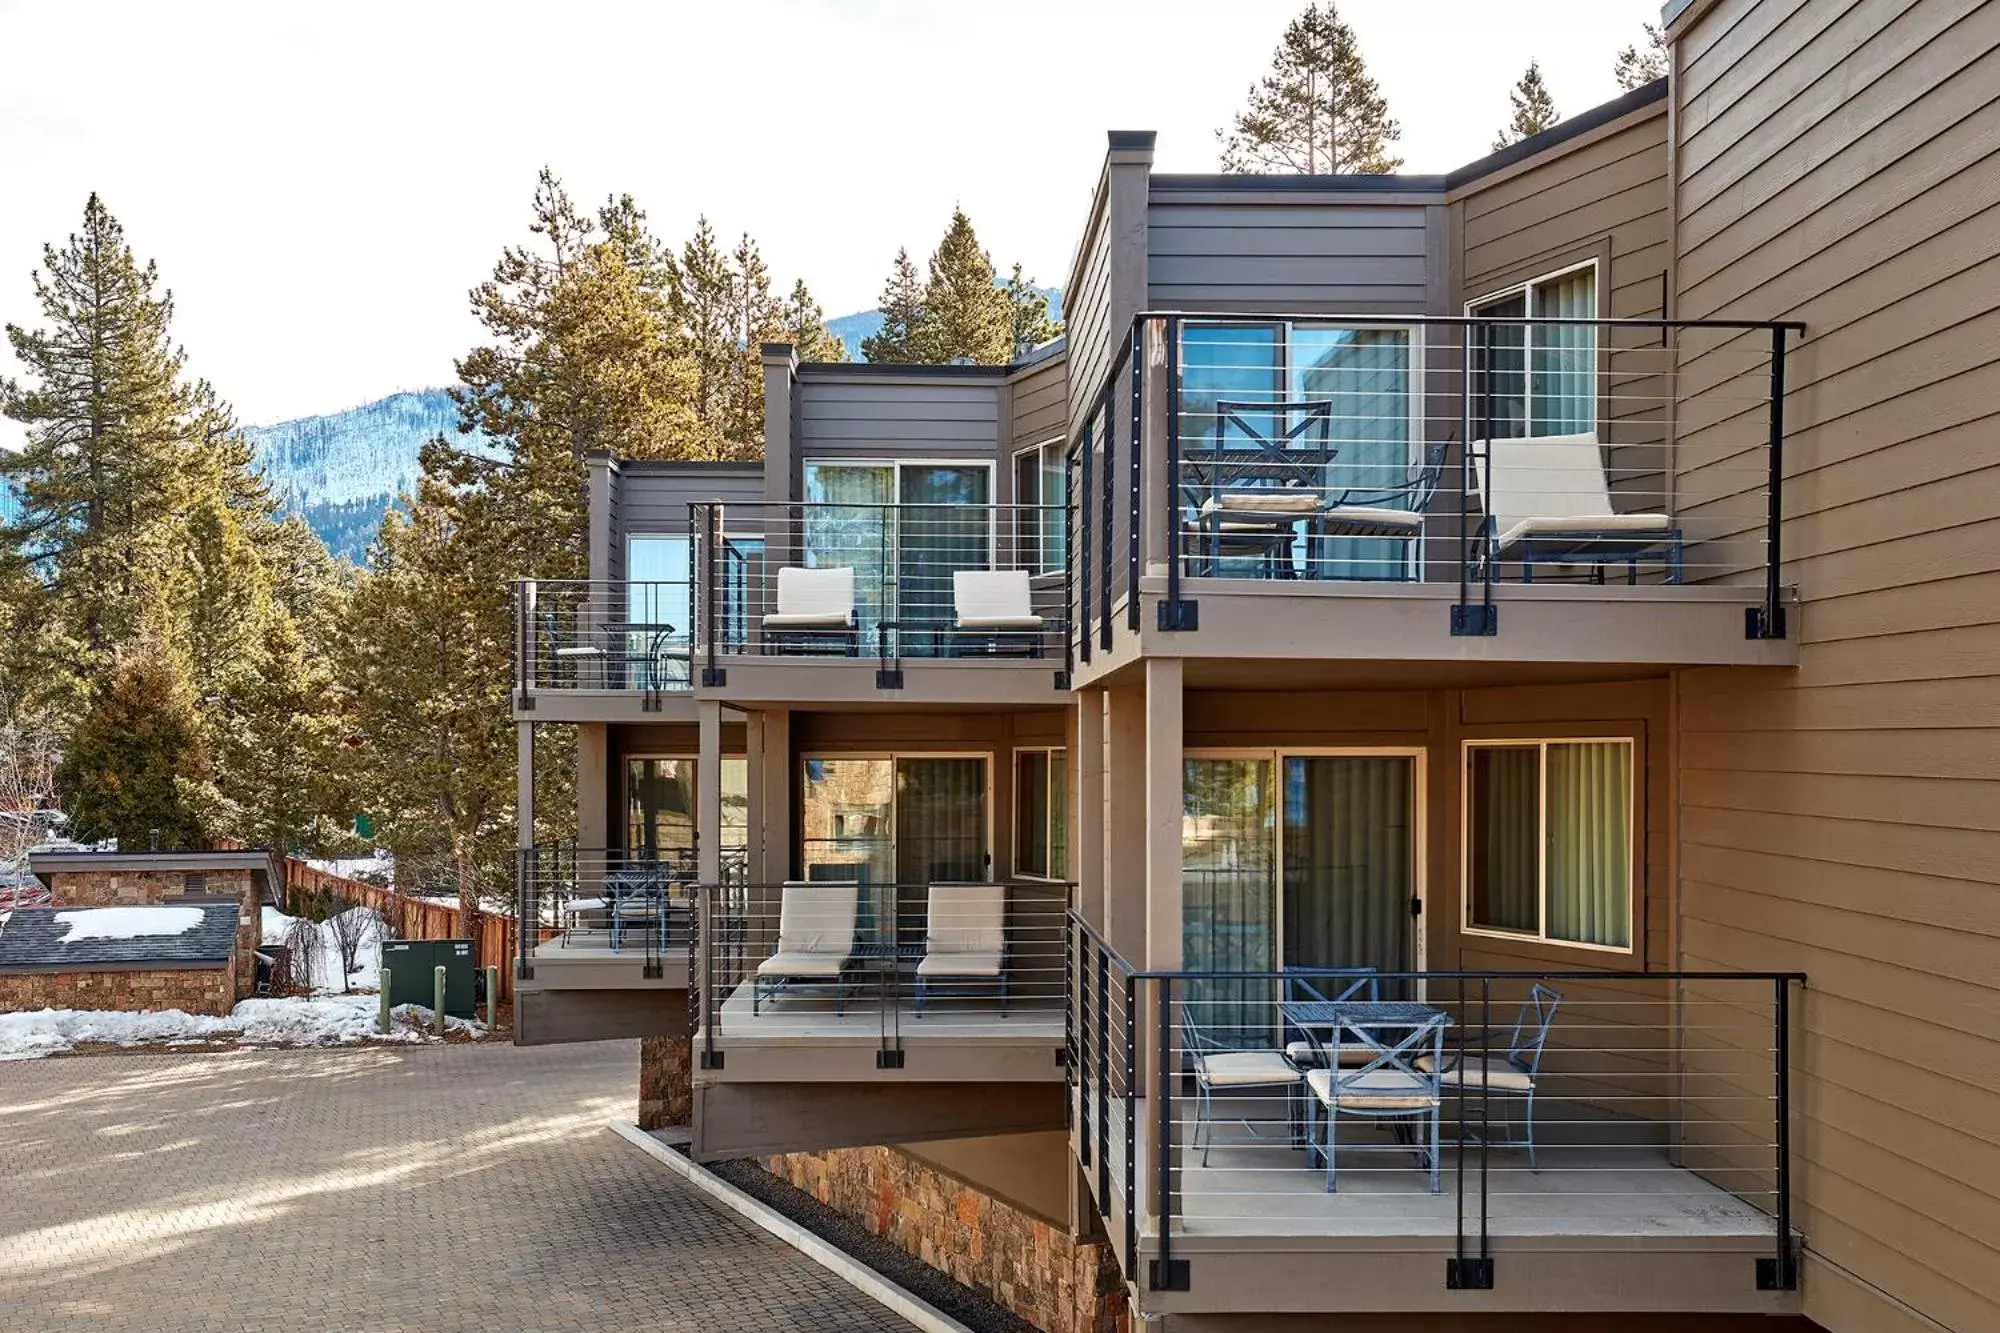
x=803 y=965
x=959 y=965
x=992 y=599
x=1000 y=622
x=1552 y=526
x=809 y=597
x=1498 y=1073
x=1245 y=1069
x=966 y=919
x=817 y=919
x=776 y=621
x=1288 y=500
x=1379 y=1090
x=1350 y=1055
x=1370 y=516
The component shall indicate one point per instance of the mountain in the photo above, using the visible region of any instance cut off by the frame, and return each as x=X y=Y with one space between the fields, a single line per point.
x=340 y=471
x=851 y=329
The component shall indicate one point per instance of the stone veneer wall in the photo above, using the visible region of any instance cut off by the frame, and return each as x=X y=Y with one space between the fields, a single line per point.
x=1028 y=1265
x=130 y=888
x=198 y=990
x=666 y=1090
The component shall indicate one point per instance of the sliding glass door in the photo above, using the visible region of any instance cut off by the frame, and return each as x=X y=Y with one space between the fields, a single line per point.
x=902 y=819
x=904 y=528
x=1295 y=860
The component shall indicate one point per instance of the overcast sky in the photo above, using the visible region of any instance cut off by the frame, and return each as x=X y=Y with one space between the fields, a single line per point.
x=320 y=184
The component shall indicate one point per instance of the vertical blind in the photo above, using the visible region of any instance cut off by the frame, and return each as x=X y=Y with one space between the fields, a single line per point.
x=1563 y=363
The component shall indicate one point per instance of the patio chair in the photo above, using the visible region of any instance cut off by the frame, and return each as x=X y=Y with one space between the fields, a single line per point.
x=994 y=606
x=965 y=939
x=1378 y=513
x=816 y=932
x=814 y=605
x=1547 y=502
x=1514 y=1073
x=1347 y=983
x=1251 y=498
x=1393 y=1086
x=1217 y=1065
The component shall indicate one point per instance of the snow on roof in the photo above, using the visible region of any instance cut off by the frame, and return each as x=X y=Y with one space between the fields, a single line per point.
x=126 y=923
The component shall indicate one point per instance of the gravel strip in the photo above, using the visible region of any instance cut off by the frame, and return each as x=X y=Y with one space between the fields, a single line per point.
x=972 y=1308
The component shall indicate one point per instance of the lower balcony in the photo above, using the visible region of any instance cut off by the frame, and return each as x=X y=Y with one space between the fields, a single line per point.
x=837 y=1011
x=1337 y=1141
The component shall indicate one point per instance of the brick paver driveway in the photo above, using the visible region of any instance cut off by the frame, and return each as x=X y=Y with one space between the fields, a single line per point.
x=442 y=1188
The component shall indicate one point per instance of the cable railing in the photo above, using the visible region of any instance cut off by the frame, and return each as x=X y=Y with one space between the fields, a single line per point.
x=620 y=902
x=861 y=579
x=835 y=958
x=614 y=635
x=1478 y=451
x=1461 y=1105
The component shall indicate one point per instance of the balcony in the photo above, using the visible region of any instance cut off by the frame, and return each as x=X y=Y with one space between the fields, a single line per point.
x=602 y=650
x=855 y=600
x=616 y=926
x=1627 y=1150
x=1479 y=487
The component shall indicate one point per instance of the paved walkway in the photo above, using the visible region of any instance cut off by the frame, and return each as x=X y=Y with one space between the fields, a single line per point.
x=437 y=1189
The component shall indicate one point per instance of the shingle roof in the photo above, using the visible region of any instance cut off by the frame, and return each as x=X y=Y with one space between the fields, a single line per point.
x=33 y=939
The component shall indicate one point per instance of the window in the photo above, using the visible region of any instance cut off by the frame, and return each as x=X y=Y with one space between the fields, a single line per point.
x=656 y=609
x=904 y=528
x=895 y=819
x=660 y=806
x=1548 y=841
x=1544 y=377
x=1041 y=813
x=1038 y=526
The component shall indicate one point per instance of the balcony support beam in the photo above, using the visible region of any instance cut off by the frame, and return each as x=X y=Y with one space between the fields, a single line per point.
x=593 y=781
x=708 y=794
x=1086 y=811
x=1123 y=868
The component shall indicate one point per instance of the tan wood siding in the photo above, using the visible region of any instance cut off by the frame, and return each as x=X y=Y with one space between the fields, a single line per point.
x=865 y=417
x=1839 y=163
x=1087 y=317
x=1288 y=252
x=1039 y=405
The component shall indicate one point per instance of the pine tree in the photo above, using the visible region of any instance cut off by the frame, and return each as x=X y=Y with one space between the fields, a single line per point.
x=902 y=307
x=107 y=419
x=805 y=328
x=705 y=311
x=135 y=764
x=966 y=316
x=759 y=319
x=1638 y=65
x=1534 y=109
x=1031 y=323
x=1317 y=111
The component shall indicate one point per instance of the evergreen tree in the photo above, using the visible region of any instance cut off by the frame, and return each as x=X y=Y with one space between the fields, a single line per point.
x=107 y=420
x=1031 y=323
x=805 y=328
x=1534 y=109
x=705 y=311
x=135 y=763
x=902 y=307
x=759 y=319
x=1638 y=65
x=966 y=316
x=1317 y=111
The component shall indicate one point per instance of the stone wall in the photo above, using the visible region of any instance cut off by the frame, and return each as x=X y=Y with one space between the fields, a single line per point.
x=204 y=990
x=126 y=888
x=1029 y=1265
x=666 y=1090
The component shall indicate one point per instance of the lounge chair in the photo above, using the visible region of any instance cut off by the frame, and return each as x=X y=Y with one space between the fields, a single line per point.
x=965 y=939
x=994 y=606
x=1512 y=1074
x=813 y=605
x=1547 y=502
x=816 y=928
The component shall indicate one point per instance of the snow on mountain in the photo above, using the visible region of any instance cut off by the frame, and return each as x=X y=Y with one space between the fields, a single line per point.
x=342 y=470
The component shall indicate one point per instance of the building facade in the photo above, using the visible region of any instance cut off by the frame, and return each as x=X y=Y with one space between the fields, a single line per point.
x=1424 y=765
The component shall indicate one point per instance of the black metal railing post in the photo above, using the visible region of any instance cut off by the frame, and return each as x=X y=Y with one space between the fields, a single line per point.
x=1131 y=1124
x=1174 y=613
x=1768 y=622
x=711 y=674
x=524 y=643
x=1135 y=492
x=1103 y=1073
x=1780 y=1272
x=528 y=912
x=1080 y=554
x=1107 y=536
x=1069 y=570
x=1166 y=1273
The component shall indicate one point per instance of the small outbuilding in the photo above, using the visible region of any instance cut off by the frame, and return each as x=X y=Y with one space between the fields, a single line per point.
x=180 y=955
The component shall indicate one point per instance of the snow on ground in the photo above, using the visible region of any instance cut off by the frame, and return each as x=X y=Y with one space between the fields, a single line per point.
x=320 y=966
x=326 y=1020
x=127 y=923
x=376 y=865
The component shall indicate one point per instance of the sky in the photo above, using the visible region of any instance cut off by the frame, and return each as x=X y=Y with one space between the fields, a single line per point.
x=321 y=183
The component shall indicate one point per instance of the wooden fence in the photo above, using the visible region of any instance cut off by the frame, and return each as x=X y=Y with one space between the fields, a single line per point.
x=417 y=918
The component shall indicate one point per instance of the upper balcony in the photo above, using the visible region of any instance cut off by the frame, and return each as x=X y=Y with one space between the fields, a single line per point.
x=1492 y=487
x=857 y=596
x=602 y=650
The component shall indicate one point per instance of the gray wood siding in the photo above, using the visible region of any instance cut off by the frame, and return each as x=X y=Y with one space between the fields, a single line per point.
x=865 y=417
x=656 y=499
x=1284 y=252
x=1087 y=319
x=1839 y=164
x=1039 y=407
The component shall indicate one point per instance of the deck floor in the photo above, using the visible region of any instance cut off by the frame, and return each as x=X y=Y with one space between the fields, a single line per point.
x=1589 y=1185
x=812 y=1015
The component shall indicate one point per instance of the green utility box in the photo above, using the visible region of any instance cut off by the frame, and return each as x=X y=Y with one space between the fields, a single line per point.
x=412 y=981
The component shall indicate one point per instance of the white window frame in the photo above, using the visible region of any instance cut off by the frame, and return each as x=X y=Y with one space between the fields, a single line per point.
x=1058 y=762
x=1042 y=566
x=1526 y=290
x=985 y=756
x=1634 y=839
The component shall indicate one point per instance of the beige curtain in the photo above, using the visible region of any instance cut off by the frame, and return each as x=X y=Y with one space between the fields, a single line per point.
x=1590 y=843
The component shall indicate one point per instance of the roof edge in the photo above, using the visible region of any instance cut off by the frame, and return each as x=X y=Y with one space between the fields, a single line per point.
x=1581 y=123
